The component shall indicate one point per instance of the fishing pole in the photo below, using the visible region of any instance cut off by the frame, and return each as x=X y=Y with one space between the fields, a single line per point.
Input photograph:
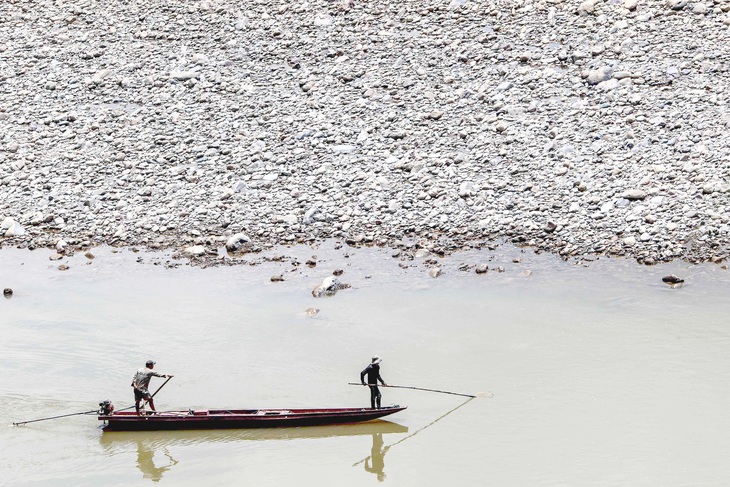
x=411 y=387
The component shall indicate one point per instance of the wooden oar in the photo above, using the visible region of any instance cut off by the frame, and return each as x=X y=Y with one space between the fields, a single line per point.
x=163 y=385
x=411 y=387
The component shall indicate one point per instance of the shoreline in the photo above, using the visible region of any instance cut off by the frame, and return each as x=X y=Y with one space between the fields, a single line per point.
x=580 y=130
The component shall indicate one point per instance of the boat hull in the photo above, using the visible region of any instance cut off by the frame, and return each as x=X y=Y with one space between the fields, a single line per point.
x=237 y=419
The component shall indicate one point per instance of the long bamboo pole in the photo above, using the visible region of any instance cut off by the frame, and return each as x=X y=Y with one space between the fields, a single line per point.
x=411 y=387
x=54 y=417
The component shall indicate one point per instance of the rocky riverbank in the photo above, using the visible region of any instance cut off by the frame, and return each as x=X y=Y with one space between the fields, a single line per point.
x=580 y=128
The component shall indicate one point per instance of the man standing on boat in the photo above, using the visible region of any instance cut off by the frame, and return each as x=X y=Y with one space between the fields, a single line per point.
x=141 y=382
x=373 y=373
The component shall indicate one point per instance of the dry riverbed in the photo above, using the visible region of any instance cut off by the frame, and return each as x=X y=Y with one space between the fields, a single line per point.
x=579 y=128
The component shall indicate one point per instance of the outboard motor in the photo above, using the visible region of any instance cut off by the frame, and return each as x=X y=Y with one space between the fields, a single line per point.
x=106 y=408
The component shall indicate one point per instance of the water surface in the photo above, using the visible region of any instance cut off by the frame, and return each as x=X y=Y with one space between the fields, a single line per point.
x=594 y=374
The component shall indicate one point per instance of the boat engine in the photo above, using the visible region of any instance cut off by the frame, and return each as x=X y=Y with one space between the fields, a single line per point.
x=106 y=408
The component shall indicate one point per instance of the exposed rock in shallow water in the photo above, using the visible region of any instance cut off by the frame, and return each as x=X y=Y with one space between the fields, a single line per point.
x=329 y=287
x=672 y=279
x=434 y=272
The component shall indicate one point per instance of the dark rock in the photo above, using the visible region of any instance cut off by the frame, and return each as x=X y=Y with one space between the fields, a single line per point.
x=672 y=279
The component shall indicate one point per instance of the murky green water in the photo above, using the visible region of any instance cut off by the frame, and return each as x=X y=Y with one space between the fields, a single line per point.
x=600 y=375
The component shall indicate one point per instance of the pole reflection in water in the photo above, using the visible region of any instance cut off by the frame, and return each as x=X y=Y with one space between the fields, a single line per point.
x=377 y=452
x=146 y=463
x=375 y=463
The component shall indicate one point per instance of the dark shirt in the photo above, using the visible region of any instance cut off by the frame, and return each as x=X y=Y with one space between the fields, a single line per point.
x=373 y=373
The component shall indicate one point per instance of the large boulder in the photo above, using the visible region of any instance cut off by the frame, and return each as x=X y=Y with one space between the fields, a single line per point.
x=236 y=242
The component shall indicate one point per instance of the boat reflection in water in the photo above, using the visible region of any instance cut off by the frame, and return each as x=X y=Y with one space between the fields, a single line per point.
x=154 y=447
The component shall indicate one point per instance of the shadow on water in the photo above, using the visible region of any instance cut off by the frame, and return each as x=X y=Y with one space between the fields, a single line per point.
x=150 y=444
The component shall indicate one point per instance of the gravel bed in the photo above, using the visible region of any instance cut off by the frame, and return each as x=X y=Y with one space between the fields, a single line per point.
x=579 y=128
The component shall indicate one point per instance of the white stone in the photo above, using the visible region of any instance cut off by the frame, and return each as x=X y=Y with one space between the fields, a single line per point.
x=194 y=251
x=15 y=230
x=184 y=75
x=323 y=20
x=7 y=223
x=608 y=85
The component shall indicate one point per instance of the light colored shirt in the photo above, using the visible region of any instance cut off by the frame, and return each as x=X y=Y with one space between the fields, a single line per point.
x=141 y=379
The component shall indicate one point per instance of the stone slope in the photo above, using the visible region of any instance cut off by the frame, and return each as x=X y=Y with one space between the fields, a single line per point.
x=594 y=127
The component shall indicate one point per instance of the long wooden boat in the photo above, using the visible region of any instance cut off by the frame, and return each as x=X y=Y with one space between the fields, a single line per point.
x=240 y=418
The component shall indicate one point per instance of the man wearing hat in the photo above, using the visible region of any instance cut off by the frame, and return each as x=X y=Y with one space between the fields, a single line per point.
x=141 y=382
x=373 y=373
